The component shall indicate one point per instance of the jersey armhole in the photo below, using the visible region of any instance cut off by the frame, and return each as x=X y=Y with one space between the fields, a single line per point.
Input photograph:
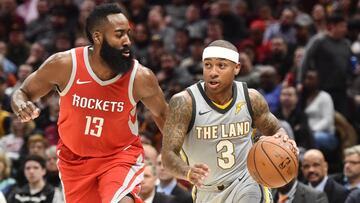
x=72 y=76
x=193 y=112
x=131 y=82
x=248 y=103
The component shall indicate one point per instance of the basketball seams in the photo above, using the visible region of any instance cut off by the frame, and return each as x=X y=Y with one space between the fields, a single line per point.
x=258 y=174
x=294 y=161
x=272 y=161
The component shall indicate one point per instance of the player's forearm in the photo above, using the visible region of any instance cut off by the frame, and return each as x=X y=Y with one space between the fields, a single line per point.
x=175 y=164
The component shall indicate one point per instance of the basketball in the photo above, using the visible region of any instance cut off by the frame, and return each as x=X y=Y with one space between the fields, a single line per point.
x=272 y=163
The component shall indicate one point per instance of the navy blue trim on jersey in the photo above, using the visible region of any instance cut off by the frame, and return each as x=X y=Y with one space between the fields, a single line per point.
x=212 y=105
x=248 y=102
x=193 y=112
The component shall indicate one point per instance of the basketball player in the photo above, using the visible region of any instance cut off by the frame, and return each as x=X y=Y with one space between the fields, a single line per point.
x=100 y=153
x=213 y=121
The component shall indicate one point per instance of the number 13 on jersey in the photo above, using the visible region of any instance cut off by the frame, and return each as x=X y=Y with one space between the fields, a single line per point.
x=94 y=126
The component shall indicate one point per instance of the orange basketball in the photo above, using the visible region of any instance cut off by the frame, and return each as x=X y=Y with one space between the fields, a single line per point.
x=272 y=163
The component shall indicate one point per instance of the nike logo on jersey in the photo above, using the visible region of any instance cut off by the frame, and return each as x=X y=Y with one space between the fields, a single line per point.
x=204 y=112
x=82 y=82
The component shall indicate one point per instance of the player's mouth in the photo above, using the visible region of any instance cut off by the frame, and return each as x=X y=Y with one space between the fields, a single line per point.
x=213 y=84
x=126 y=53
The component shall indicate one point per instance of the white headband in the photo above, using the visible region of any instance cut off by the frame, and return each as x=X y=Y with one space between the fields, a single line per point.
x=220 y=52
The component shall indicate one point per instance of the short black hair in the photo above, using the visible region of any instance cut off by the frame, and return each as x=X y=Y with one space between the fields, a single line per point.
x=224 y=44
x=335 y=19
x=99 y=16
x=36 y=158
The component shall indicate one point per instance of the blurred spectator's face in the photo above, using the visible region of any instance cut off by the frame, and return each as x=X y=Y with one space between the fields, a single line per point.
x=62 y=44
x=278 y=46
x=37 y=148
x=148 y=184
x=42 y=7
x=154 y=18
x=24 y=71
x=58 y=21
x=51 y=162
x=314 y=168
x=214 y=31
x=181 y=39
x=161 y=172
x=246 y=66
x=298 y=56
x=140 y=34
x=16 y=37
x=18 y=127
x=352 y=166
x=192 y=13
x=81 y=41
x=167 y=62
x=241 y=8
x=318 y=13
x=37 y=50
x=339 y=30
x=2 y=169
x=196 y=50
x=265 y=12
x=214 y=9
x=224 y=7
x=34 y=172
x=287 y=18
x=137 y=4
x=2 y=48
x=8 y=5
x=288 y=97
x=311 y=80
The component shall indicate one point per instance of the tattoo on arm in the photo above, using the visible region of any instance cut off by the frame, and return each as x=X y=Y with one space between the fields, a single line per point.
x=175 y=129
x=264 y=120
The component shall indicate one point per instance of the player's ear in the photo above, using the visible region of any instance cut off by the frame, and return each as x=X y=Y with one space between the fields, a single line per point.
x=237 y=69
x=97 y=37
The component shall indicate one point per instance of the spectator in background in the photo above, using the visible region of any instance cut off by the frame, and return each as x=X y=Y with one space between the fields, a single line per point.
x=85 y=9
x=280 y=57
x=5 y=122
x=37 y=145
x=330 y=56
x=176 y=13
x=270 y=87
x=52 y=174
x=11 y=144
x=8 y=17
x=320 y=111
x=352 y=167
x=138 y=11
x=150 y=153
x=6 y=181
x=18 y=48
x=284 y=28
x=297 y=119
x=315 y=171
x=193 y=63
x=4 y=98
x=37 y=55
x=37 y=190
x=169 y=185
x=7 y=65
x=157 y=26
x=248 y=72
x=141 y=43
x=24 y=71
x=194 y=24
x=353 y=197
x=181 y=49
x=319 y=17
x=148 y=191
x=297 y=192
x=40 y=24
x=28 y=10
x=214 y=30
x=155 y=50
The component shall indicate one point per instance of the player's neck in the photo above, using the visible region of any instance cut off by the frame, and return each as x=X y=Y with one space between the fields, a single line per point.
x=99 y=66
x=220 y=98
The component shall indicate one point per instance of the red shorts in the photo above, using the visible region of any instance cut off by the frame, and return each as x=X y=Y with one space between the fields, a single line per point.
x=103 y=179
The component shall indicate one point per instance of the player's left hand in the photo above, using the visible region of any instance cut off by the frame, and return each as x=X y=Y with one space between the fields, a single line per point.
x=286 y=138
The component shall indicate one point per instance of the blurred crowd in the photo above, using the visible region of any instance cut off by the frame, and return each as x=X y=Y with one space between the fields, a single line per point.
x=303 y=56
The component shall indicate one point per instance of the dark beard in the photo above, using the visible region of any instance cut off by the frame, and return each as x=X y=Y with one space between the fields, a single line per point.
x=115 y=59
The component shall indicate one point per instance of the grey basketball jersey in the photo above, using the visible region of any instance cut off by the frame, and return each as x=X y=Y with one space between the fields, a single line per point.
x=220 y=138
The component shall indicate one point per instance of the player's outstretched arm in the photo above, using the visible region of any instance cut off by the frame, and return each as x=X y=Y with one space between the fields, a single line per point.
x=148 y=91
x=53 y=72
x=264 y=120
x=175 y=129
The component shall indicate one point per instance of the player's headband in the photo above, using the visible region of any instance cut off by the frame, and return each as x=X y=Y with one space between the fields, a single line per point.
x=220 y=52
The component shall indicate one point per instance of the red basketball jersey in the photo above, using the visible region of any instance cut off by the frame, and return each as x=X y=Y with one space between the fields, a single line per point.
x=97 y=118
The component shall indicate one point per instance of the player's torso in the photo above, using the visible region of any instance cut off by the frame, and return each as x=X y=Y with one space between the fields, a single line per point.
x=220 y=138
x=97 y=118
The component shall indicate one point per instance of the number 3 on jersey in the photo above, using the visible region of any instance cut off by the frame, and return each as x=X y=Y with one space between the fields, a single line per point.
x=227 y=157
x=94 y=126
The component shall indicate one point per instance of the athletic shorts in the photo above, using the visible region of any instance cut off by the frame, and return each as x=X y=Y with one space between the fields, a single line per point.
x=242 y=190
x=103 y=179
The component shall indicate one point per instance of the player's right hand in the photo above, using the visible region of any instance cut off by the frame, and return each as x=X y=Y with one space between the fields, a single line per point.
x=27 y=111
x=198 y=173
